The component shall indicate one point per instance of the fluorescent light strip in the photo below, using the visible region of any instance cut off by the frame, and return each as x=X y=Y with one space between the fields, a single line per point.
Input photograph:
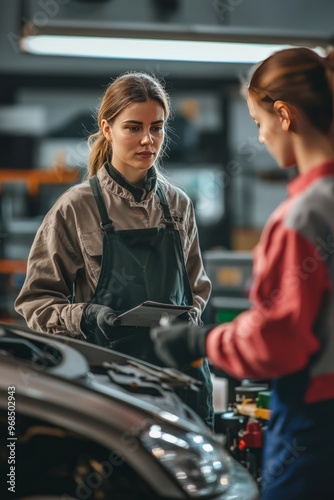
x=138 y=48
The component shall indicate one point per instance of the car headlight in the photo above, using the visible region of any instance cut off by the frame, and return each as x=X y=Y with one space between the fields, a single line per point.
x=199 y=464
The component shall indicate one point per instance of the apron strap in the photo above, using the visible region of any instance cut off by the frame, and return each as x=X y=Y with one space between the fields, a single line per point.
x=106 y=223
x=167 y=219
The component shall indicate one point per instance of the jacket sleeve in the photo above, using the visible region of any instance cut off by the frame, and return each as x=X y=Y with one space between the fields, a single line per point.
x=199 y=281
x=275 y=337
x=45 y=298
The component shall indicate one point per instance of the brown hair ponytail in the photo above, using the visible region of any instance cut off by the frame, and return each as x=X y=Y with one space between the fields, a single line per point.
x=99 y=152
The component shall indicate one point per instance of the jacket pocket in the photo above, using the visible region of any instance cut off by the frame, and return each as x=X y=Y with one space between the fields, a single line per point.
x=92 y=250
x=180 y=225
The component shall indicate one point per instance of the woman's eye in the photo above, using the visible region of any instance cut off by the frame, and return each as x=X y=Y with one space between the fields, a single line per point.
x=133 y=129
x=157 y=128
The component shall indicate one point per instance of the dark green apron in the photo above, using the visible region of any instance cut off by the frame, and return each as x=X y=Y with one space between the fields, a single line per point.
x=139 y=265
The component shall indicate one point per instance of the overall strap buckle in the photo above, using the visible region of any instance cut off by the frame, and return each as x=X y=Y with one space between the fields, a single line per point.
x=169 y=222
x=107 y=227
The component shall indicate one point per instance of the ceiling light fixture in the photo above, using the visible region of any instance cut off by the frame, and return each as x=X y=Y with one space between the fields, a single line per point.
x=136 y=48
x=155 y=42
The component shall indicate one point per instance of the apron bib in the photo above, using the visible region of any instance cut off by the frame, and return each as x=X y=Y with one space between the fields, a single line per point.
x=139 y=265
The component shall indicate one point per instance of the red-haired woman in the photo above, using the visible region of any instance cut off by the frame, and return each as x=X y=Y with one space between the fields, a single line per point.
x=288 y=333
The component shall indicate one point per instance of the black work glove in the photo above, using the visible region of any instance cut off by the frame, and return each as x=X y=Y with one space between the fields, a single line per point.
x=97 y=316
x=180 y=344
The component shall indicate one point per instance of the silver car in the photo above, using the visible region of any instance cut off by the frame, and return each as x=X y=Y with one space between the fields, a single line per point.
x=84 y=422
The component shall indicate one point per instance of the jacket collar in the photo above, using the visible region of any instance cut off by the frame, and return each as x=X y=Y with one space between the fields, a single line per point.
x=302 y=182
x=150 y=181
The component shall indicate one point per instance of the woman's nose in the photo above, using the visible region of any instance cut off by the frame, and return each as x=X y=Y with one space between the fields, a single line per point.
x=147 y=138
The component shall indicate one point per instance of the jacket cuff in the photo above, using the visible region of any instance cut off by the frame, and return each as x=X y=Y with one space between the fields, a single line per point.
x=202 y=333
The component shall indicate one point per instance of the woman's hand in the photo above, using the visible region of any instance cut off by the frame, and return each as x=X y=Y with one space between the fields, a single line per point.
x=180 y=344
x=97 y=316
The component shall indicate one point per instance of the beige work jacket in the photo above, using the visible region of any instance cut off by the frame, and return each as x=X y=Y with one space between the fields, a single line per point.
x=65 y=257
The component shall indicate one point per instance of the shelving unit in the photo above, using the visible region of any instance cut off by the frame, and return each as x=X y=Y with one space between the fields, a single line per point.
x=20 y=220
x=34 y=178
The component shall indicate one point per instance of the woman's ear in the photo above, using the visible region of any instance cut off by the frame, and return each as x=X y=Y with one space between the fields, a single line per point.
x=285 y=114
x=106 y=129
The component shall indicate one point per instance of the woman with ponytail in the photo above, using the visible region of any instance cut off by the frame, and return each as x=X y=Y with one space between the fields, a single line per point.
x=288 y=333
x=120 y=238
